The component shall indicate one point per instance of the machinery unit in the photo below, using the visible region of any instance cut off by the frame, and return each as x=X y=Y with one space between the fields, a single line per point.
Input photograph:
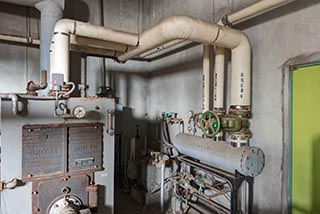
x=60 y=164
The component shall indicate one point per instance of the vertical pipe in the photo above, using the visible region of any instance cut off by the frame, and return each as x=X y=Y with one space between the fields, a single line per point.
x=219 y=79
x=206 y=77
x=162 y=162
x=83 y=81
x=51 y=12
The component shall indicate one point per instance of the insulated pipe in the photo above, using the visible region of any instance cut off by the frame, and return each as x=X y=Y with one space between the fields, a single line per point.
x=51 y=12
x=206 y=78
x=218 y=79
x=254 y=9
x=197 y=30
x=19 y=39
x=163 y=168
x=14 y=99
x=162 y=47
x=65 y=27
x=248 y=161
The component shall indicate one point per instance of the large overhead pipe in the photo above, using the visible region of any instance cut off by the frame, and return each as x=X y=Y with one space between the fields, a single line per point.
x=248 y=161
x=62 y=32
x=51 y=12
x=187 y=28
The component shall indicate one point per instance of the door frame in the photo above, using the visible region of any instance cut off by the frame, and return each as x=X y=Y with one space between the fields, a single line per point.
x=287 y=68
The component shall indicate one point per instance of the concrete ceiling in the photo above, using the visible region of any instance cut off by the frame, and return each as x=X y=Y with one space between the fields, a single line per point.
x=22 y=2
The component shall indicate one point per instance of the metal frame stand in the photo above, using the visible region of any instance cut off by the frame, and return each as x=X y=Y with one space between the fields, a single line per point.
x=235 y=179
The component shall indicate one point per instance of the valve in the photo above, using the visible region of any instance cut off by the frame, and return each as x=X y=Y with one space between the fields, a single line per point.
x=209 y=123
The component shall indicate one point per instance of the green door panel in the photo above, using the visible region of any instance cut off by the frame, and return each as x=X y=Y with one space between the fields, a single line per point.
x=305 y=137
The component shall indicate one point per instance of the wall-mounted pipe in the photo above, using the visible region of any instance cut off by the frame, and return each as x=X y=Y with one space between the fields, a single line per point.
x=65 y=27
x=14 y=100
x=162 y=47
x=206 y=78
x=19 y=39
x=254 y=9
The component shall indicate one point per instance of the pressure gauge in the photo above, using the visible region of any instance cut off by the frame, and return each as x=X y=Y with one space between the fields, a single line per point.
x=79 y=112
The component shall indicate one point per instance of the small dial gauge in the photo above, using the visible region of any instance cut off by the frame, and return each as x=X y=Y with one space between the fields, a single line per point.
x=79 y=112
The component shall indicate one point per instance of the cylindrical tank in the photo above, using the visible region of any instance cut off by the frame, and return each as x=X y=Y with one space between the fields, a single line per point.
x=248 y=161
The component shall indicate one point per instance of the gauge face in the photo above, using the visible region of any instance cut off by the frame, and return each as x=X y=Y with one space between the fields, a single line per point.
x=79 y=112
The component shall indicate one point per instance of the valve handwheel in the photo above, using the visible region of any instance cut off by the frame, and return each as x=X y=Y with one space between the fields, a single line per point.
x=209 y=123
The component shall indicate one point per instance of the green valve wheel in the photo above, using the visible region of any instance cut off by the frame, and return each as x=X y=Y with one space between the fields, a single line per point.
x=209 y=123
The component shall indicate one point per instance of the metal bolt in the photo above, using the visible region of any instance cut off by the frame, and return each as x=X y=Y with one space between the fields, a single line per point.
x=96 y=127
x=35 y=192
x=96 y=166
x=30 y=175
x=30 y=130
x=56 y=205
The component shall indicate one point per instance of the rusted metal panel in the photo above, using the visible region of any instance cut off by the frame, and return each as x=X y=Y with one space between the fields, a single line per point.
x=93 y=196
x=46 y=192
x=42 y=151
x=85 y=148
x=61 y=149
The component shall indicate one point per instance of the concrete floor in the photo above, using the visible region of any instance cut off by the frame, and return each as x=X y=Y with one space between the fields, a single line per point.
x=125 y=204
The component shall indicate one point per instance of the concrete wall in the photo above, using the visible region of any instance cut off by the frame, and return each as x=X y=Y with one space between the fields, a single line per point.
x=18 y=63
x=275 y=37
x=175 y=82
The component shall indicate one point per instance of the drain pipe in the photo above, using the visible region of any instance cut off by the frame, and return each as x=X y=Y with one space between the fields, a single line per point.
x=51 y=12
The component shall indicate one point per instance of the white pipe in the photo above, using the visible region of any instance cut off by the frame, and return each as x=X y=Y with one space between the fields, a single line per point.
x=206 y=78
x=100 y=44
x=163 y=167
x=65 y=27
x=254 y=9
x=14 y=99
x=218 y=79
x=187 y=28
x=162 y=47
x=19 y=39
x=51 y=12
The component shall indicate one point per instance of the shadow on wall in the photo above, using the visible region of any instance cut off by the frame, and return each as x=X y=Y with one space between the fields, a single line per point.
x=316 y=175
x=316 y=182
x=77 y=10
x=18 y=10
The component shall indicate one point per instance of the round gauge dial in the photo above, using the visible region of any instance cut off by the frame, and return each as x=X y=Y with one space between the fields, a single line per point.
x=79 y=112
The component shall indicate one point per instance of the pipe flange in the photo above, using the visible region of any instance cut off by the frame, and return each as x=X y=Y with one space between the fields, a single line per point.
x=252 y=161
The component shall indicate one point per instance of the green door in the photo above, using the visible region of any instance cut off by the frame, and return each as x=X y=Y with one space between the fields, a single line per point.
x=305 y=183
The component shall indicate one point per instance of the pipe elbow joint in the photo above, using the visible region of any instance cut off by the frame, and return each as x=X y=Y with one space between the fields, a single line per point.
x=14 y=99
x=65 y=26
